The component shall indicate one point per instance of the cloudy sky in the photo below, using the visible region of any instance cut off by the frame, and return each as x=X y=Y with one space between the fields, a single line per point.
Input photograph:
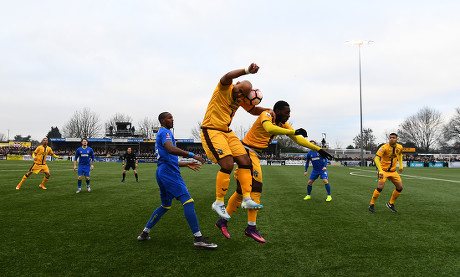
x=144 y=57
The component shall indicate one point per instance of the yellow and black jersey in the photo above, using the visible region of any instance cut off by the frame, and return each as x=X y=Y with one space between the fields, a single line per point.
x=41 y=152
x=389 y=156
x=222 y=108
x=258 y=138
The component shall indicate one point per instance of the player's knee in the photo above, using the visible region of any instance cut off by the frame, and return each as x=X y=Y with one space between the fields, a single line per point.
x=87 y=178
x=400 y=188
x=80 y=177
x=226 y=163
x=310 y=182
x=325 y=181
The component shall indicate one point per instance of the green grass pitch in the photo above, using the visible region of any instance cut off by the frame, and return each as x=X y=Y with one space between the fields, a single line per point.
x=60 y=233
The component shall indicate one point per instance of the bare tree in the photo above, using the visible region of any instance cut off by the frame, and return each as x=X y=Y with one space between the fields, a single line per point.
x=368 y=140
x=338 y=144
x=241 y=132
x=451 y=131
x=424 y=129
x=148 y=127
x=110 y=125
x=196 y=131
x=83 y=123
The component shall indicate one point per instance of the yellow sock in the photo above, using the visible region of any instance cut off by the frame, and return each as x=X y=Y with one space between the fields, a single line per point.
x=23 y=179
x=222 y=182
x=245 y=178
x=394 y=196
x=44 y=181
x=252 y=213
x=234 y=202
x=375 y=196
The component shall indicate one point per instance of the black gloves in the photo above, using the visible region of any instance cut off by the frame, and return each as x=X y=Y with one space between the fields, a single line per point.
x=301 y=132
x=324 y=154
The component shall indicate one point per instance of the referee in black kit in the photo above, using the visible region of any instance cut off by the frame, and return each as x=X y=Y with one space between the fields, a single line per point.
x=129 y=161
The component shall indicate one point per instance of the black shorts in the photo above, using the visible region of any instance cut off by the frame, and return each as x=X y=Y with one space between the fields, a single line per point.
x=130 y=165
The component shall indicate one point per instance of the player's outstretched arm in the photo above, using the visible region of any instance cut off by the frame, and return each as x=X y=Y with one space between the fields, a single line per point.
x=169 y=146
x=276 y=130
x=192 y=165
x=256 y=110
x=304 y=142
x=227 y=79
x=325 y=154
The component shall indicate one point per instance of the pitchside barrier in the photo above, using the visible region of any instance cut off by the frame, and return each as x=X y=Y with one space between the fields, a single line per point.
x=141 y=159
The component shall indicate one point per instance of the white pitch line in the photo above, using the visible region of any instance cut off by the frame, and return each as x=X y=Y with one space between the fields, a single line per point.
x=404 y=175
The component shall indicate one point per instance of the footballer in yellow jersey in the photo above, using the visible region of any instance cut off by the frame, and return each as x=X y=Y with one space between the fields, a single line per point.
x=262 y=132
x=386 y=158
x=221 y=145
x=39 y=165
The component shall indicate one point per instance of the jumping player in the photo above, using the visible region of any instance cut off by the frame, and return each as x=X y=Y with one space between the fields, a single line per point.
x=259 y=137
x=222 y=146
x=39 y=165
x=319 y=170
x=85 y=157
x=131 y=162
x=385 y=160
x=171 y=183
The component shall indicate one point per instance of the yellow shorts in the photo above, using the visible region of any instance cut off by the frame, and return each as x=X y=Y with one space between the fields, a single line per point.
x=256 y=169
x=218 y=144
x=37 y=168
x=391 y=176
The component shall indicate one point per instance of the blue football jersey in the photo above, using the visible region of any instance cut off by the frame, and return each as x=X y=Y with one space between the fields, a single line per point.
x=317 y=161
x=84 y=156
x=164 y=158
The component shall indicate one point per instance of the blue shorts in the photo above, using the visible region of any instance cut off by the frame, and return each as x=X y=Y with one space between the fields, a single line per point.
x=315 y=174
x=171 y=185
x=83 y=170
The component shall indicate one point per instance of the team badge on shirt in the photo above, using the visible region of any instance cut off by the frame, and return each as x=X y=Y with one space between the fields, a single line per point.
x=268 y=114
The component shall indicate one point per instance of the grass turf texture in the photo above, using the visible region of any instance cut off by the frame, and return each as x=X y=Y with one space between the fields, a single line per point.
x=58 y=232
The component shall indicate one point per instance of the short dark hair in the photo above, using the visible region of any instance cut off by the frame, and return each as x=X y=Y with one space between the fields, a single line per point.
x=162 y=116
x=280 y=105
x=393 y=134
x=84 y=139
x=312 y=141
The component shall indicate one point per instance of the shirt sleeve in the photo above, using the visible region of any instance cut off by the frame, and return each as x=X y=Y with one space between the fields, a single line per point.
x=52 y=154
x=307 y=162
x=275 y=130
x=77 y=154
x=92 y=155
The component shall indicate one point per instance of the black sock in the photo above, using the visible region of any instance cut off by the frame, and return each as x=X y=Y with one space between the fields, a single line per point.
x=124 y=174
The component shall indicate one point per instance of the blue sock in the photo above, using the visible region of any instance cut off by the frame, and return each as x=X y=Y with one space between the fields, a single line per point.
x=309 y=188
x=79 y=184
x=156 y=215
x=87 y=182
x=328 y=188
x=190 y=215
